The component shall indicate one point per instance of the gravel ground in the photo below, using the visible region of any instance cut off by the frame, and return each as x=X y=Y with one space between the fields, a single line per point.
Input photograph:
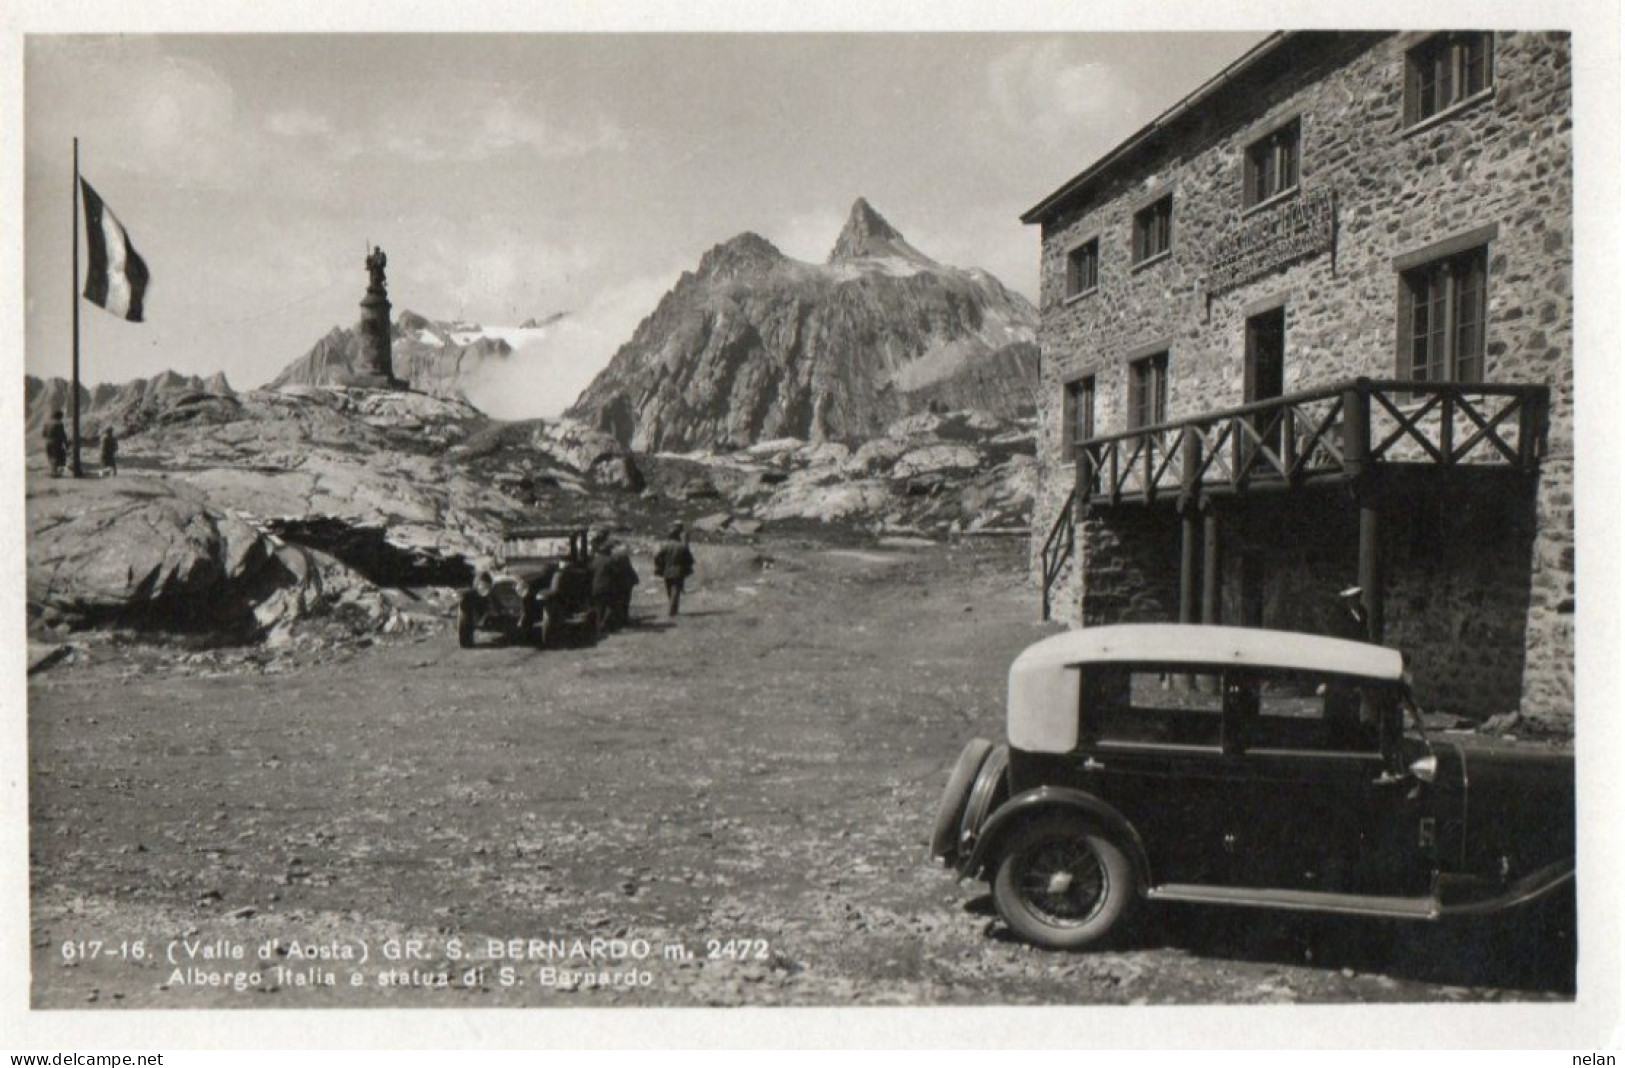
x=730 y=808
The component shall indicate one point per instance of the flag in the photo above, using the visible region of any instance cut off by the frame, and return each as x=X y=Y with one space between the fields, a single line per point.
x=117 y=276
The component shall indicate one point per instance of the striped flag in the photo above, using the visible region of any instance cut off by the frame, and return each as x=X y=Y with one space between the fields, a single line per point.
x=117 y=276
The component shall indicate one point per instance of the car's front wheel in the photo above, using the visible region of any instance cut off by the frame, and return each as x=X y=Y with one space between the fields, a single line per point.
x=1062 y=884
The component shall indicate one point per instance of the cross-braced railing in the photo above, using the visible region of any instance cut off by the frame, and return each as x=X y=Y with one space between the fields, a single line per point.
x=1332 y=433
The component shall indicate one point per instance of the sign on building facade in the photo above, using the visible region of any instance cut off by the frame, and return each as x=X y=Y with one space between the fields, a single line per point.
x=1285 y=233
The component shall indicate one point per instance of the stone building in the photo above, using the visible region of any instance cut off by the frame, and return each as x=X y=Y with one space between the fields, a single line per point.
x=1311 y=329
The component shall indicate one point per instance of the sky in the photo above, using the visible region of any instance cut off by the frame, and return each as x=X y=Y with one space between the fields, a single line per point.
x=510 y=176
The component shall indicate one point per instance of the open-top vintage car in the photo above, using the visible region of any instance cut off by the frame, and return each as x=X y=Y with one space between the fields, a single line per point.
x=541 y=583
x=1231 y=766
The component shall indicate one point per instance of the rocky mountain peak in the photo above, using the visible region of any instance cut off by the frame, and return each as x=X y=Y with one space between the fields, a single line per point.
x=745 y=253
x=867 y=235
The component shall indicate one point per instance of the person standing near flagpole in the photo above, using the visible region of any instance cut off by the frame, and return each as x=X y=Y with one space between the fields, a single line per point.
x=115 y=279
x=109 y=451
x=56 y=444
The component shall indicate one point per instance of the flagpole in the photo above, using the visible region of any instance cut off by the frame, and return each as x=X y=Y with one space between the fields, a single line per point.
x=78 y=471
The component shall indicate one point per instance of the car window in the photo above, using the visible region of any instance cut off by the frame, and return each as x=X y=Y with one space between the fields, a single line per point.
x=1151 y=706
x=1319 y=712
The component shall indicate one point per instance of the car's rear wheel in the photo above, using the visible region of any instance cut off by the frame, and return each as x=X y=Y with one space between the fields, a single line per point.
x=1062 y=884
x=549 y=626
x=955 y=798
x=465 y=628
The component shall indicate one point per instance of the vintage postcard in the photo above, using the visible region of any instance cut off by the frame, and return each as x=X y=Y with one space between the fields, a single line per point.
x=691 y=526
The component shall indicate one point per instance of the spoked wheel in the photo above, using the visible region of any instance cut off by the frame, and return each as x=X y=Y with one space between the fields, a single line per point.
x=1062 y=884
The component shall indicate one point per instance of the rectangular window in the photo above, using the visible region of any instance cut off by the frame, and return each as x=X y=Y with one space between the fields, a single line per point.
x=1272 y=165
x=1083 y=268
x=1148 y=391
x=1312 y=712
x=1445 y=70
x=1154 y=229
x=1146 y=706
x=1078 y=412
x=1443 y=311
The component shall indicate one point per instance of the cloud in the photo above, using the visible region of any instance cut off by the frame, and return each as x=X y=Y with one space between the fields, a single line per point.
x=505 y=127
x=462 y=131
x=298 y=123
x=1041 y=89
x=491 y=275
x=491 y=129
x=155 y=114
x=550 y=367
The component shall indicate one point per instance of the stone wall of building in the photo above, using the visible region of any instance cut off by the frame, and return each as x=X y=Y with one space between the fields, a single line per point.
x=1499 y=166
x=1133 y=567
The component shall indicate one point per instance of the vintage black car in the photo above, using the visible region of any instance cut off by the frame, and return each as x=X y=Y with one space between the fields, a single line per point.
x=1233 y=766
x=541 y=584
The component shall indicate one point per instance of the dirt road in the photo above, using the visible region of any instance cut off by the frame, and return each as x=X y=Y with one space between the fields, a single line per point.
x=728 y=808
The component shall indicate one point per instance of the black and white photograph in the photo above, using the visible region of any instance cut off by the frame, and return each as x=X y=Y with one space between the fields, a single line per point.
x=622 y=512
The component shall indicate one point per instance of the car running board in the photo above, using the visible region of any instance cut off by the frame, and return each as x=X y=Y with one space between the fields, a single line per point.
x=1406 y=908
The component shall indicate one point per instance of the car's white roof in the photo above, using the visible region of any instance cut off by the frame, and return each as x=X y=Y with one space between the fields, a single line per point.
x=1190 y=643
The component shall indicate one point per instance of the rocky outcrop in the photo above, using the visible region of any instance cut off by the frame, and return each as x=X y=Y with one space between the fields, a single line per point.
x=933 y=473
x=102 y=548
x=754 y=345
x=311 y=501
x=127 y=407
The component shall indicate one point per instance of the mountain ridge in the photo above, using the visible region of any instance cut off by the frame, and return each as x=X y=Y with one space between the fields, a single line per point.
x=753 y=345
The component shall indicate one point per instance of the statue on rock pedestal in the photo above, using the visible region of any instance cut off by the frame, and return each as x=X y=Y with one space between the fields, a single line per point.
x=376 y=262
x=374 y=368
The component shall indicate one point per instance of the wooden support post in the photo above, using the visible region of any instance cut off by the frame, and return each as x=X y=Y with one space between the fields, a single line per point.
x=1190 y=459
x=1083 y=482
x=1532 y=421
x=1211 y=613
x=1248 y=594
x=1357 y=429
x=1189 y=521
x=1370 y=563
x=1447 y=428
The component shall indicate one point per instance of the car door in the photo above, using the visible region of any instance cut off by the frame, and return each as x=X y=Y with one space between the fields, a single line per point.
x=1315 y=803
x=1152 y=748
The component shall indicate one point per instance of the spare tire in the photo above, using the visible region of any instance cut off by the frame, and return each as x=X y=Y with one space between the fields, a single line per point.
x=955 y=797
x=990 y=790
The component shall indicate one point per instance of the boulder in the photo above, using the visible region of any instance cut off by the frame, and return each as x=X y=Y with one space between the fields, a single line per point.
x=798 y=500
x=712 y=524
x=106 y=546
x=594 y=453
x=934 y=459
x=876 y=456
x=776 y=447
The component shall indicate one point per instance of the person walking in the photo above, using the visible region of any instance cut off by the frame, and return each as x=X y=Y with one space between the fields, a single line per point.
x=612 y=580
x=56 y=444
x=109 y=452
x=674 y=562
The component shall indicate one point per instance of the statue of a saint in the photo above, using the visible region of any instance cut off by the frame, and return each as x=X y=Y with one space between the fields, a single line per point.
x=375 y=267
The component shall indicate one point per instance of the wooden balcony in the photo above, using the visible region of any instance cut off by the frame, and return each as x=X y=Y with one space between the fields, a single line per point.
x=1333 y=434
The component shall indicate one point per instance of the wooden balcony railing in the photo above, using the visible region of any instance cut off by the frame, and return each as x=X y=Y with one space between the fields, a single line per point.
x=1334 y=433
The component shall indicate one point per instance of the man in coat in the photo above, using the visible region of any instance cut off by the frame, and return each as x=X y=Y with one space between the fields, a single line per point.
x=674 y=562
x=613 y=577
